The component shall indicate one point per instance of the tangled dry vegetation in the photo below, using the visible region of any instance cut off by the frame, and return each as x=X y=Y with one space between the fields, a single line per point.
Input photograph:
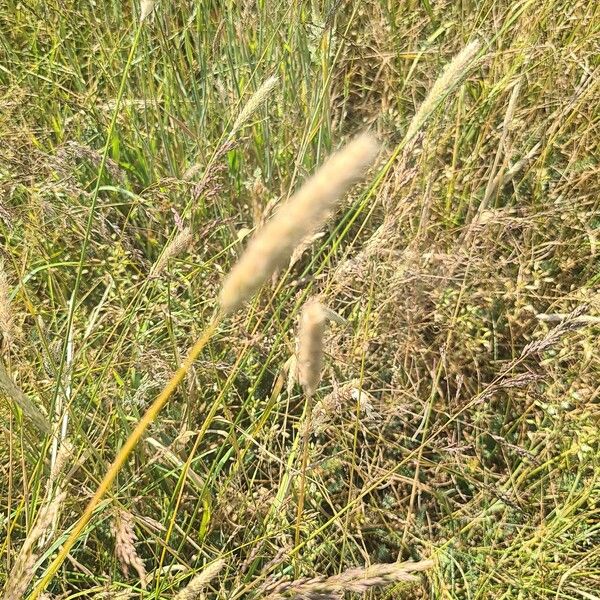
x=429 y=428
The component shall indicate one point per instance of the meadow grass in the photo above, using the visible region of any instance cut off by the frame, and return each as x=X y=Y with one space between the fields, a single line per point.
x=453 y=448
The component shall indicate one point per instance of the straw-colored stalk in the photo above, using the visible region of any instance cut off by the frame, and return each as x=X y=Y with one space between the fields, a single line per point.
x=300 y=216
x=254 y=103
x=453 y=72
x=193 y=589
x=180 y=243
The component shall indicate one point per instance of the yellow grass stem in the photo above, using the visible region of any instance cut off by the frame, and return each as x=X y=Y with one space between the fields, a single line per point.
x=135 y=436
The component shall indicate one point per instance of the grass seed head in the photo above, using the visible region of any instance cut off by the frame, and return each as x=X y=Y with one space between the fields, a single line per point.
x=254 y=103
x=6 y=316
x=146 y=8
x=450 y=76
x=357 y=580
x=302 y=215
x=193 y=589
x=125 y=539
x=180 y=243
x=310 y=345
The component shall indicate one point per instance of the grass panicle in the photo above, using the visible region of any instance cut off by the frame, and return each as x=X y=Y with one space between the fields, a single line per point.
x=453 y=72
x=313 y=321
x=356 y=580
x=179 y=244
x=254 y=103
x=197 y=584
x=125 y=549
x=6 y=314
x=300 y=216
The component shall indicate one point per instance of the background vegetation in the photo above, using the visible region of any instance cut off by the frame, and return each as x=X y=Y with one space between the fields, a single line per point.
x=457 y=417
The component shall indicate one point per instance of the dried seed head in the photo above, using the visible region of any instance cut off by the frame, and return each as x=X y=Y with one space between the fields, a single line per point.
x=254 y=102
x=181 y=242
x=6 y=319
x=65 y=453
x=125 y=545
x=192 y=590
x=146 y=8
x=453 y=72
x=310 y=345
x=358 y=580
x=300 y=216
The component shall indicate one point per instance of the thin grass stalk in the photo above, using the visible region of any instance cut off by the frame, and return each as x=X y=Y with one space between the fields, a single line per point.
x=135 y=436
x=305 y=440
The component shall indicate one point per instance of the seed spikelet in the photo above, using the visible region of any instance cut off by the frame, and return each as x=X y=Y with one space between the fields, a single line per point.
x=192 y=590
x=6 y=318
x=310 y=345
x=357 y=580
x=453 y=72
x=125 y=539
x=254 y=103
x=300 y=216
x=181 y=242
